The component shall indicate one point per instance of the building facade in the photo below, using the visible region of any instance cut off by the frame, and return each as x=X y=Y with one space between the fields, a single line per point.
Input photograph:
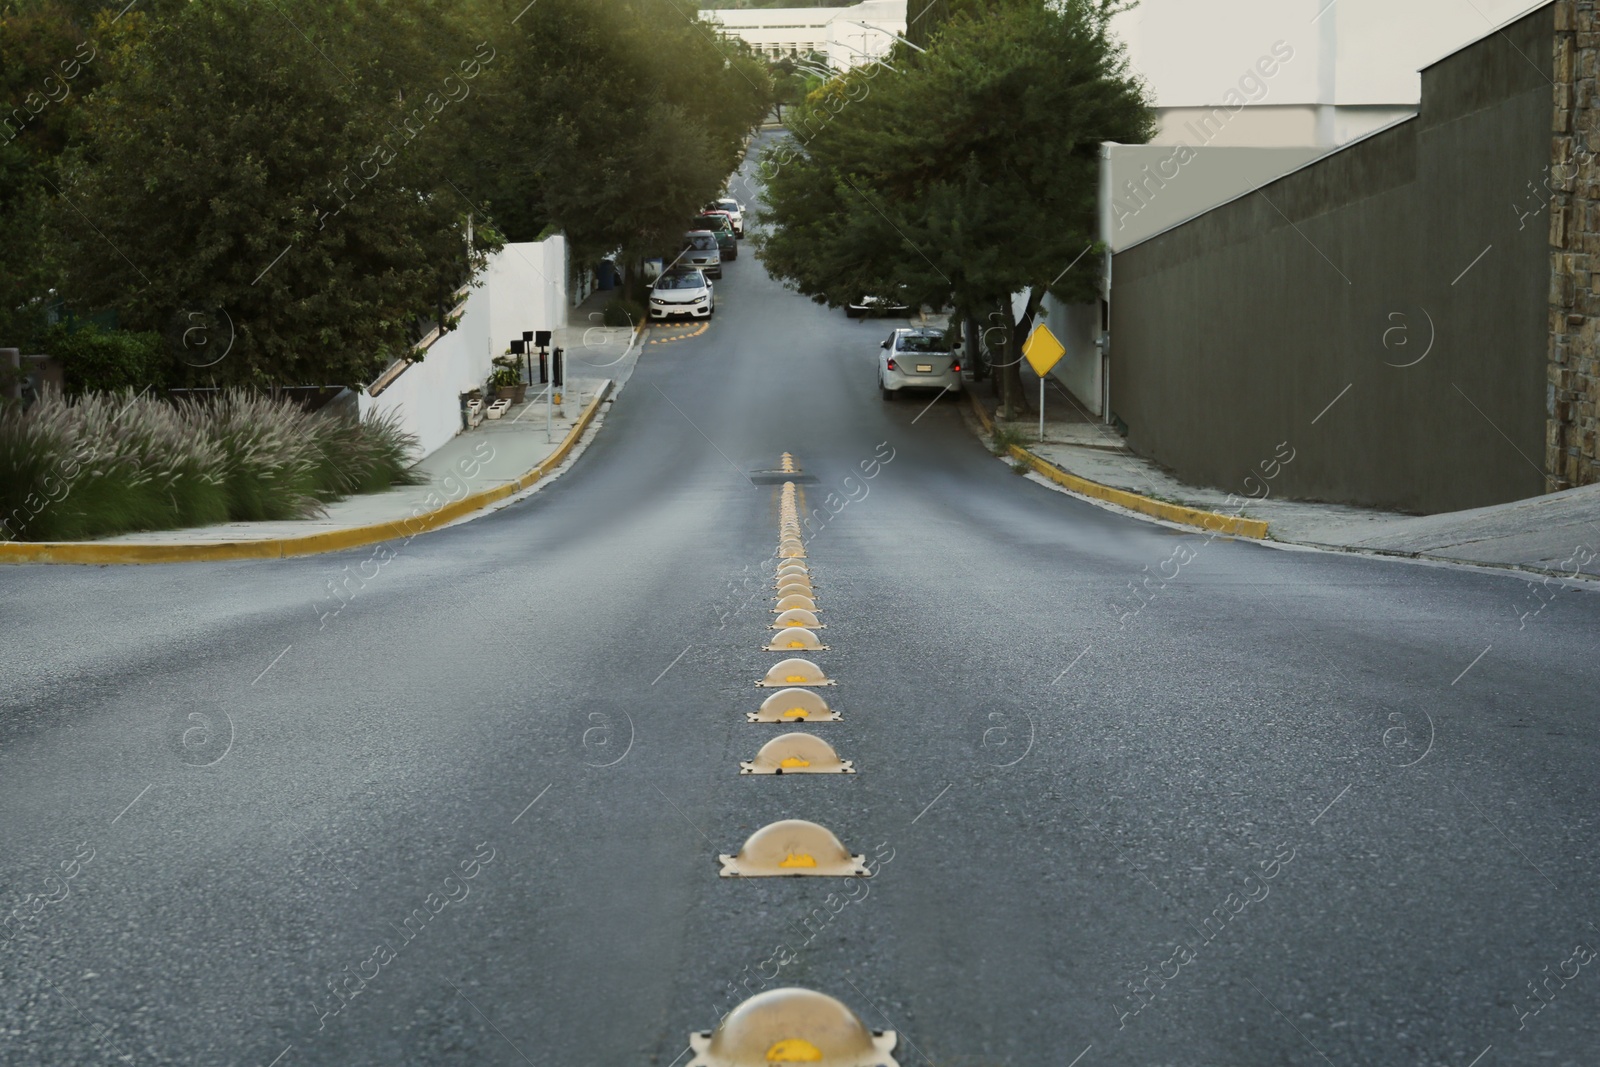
x=1246 y=91
x=1389 y=312
x=847 y=36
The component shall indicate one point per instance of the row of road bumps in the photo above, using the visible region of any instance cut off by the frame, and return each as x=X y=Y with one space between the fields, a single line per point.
x=793 y=1025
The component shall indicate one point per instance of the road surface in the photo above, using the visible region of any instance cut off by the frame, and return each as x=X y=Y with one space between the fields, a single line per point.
x=1282 y=808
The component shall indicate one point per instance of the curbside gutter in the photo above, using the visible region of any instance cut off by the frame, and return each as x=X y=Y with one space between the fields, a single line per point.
x=1209 y=521
x=95 y=552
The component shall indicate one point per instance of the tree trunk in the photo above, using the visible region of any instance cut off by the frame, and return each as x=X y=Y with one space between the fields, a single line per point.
x=1008 y=372
x=1014 y=402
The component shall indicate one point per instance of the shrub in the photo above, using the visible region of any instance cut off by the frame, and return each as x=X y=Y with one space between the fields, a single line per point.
x=112 y=463
x=623 y=312
x=97 y=360
x=361 y=457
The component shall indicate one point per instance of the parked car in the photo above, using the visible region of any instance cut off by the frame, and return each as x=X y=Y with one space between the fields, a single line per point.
x=918 y=358
x=876 y=305
x=735 y=212
x=682 y=292
x=718 y=213
x=722 y=229
x=700 y=251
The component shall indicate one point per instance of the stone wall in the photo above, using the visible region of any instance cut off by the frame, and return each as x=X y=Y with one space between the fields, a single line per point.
x=1572 y=456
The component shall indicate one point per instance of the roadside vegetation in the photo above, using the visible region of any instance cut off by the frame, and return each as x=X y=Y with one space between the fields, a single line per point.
x=961 y=175
x=296 y=182
x=237 y=200
x=107 y=463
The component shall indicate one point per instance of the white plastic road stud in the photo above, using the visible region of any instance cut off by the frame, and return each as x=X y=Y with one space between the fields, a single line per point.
x=794 y=705
x=796 y=753
x=792 y=1025
x=796 y=617
x=794 y=848
x=795 y=600
x=795 y=639
x=789 y=672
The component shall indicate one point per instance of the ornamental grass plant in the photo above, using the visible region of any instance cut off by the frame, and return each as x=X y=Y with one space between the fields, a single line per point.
x=103 y=464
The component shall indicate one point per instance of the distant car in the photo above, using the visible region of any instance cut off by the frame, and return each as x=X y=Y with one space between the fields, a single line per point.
x=918 y=358
x=682 y=292
x=720 y=213
x=876 y=305
x=735 y=211
x=700 y=251
x=722 y=229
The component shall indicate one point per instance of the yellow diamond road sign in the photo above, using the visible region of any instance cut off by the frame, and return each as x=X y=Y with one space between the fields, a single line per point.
x=1042 y=350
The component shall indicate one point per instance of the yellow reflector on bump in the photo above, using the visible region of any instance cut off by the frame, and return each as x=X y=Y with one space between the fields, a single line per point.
x=794 y=705
x=796 y=753
x=793 y=847
x=795 y=637
x=792 y=1025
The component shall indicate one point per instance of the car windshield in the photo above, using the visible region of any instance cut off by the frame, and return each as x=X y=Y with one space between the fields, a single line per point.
x=716 y=222
x=703 y=243
x=922 y=342
x=681 y=281
x=728 y=205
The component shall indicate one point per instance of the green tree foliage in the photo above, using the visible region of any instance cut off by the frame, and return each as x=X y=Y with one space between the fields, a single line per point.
x=97 y=360
x=622 y=119
x=292 y=181
x=50 y=60
x=249 y=164
x=968 y=177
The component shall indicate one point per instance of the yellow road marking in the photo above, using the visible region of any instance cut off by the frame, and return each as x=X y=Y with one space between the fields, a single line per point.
x=704 y=326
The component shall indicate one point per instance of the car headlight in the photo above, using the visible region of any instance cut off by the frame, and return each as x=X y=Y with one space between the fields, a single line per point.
x=700 y=299
x=657 y=300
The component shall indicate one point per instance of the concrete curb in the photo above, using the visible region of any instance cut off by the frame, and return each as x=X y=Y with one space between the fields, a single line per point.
x=1209 y=521
x=94 y=552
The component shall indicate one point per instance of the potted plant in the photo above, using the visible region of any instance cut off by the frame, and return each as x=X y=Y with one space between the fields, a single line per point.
x=507 y=379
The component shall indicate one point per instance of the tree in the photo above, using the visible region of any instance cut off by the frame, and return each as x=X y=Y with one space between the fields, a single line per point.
x=293 y=182
x=247 y=168
x=50 y=60
x=966 y=178
x=625 y=118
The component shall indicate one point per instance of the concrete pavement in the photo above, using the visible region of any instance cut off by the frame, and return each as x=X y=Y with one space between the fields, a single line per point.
x=1557 y=534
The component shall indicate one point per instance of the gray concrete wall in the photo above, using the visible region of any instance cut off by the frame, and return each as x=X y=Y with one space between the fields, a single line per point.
x=1235 y=331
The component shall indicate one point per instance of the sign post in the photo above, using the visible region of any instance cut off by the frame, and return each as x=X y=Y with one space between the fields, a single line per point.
x=1042 y=351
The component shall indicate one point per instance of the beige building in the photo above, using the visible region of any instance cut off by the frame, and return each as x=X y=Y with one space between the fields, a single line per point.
x=847 y=36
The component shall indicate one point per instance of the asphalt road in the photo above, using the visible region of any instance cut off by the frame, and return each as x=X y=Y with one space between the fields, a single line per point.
x=1321 y=809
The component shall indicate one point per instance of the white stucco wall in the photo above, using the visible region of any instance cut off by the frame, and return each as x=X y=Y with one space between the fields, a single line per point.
x=523 y=288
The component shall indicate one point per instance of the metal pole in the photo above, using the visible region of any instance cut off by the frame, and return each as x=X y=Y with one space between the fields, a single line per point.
x=549 y=412
x=1041 y=409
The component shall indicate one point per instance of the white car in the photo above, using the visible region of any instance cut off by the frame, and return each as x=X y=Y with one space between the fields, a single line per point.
x=734 y=209
x=876 y=305
x=918 y=357
x=700 y=252
x=682 y=292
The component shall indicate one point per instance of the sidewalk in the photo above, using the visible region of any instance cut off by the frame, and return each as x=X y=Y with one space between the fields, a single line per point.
x=490 y=466
x=493 y=455
x=1555 y=534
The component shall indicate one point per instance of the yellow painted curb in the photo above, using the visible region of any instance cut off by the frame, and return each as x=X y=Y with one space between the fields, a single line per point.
x=704 y=326
x=98 y=552
x=1209 y=521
